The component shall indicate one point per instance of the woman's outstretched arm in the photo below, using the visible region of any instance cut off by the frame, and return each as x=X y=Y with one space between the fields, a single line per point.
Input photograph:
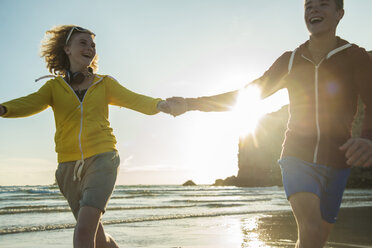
x=28 y=105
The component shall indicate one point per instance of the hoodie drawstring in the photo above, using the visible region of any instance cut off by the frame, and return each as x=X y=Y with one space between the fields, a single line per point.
x=78 y=169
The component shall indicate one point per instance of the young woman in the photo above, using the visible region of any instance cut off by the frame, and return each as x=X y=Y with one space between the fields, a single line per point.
x=87 y=156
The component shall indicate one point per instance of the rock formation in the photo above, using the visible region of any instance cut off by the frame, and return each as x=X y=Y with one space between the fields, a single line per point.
x=259 y=152
x=189 y=183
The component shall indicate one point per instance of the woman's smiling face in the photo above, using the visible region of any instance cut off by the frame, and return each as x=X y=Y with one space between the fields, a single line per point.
x=80 y=51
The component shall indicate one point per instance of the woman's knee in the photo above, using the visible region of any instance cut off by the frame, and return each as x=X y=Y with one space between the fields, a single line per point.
x=87 y=224
x=103 y=239
x=84 y=233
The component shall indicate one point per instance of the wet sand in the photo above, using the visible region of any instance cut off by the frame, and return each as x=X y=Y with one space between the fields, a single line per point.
x=352 y=229
x=256 y=230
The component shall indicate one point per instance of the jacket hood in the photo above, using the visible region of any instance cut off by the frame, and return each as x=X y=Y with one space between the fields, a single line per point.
x=342 y=45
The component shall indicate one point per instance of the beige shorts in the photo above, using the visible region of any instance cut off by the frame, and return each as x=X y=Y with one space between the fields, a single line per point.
x=97 y=182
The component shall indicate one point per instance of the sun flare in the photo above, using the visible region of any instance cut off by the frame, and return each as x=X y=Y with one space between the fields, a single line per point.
x=250 y=108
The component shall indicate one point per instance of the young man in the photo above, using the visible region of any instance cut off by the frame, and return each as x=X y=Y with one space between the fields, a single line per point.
x=324 y=78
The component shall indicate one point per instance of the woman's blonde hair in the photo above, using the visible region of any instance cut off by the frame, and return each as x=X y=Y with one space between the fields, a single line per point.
x=52 y=49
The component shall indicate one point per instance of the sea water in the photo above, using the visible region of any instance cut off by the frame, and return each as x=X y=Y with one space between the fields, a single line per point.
x=142 y=216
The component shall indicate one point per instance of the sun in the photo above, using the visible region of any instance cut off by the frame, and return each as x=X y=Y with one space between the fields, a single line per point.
x=246 y=113
x=250 y=108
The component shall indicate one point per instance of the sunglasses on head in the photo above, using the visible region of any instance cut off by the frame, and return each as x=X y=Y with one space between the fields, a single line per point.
x=78 y=29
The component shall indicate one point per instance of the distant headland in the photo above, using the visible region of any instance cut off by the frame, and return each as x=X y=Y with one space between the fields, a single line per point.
x=189 y=183
x=258 y=155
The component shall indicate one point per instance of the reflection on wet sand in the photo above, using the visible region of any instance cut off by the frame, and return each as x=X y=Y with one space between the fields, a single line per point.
x=269 y=231
x=251 y=235
x=353 y=229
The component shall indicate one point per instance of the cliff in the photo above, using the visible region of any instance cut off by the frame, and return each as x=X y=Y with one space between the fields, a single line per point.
x=259 y=152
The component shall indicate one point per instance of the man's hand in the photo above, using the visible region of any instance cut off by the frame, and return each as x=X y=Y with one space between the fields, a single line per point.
x=178 y=105
x=358 y=152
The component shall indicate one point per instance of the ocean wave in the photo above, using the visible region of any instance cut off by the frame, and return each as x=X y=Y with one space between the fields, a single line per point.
x=357 y=199
x=219 y=200
x=29 y=190
x=189 y=204
x=33 y=209
x=46 y=209
x=171 y=189
x=243 y=194
x=29 y=198
x=14 y=230
x=219 y=205
x=35 y=228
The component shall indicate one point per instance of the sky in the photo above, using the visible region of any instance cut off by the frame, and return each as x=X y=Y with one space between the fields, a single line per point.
x=160 y=48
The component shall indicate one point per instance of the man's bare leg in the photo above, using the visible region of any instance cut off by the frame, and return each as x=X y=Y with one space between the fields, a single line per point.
x=306 y=209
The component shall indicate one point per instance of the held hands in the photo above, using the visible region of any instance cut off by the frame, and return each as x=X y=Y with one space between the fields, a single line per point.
x=174 y=106
x=164 y=107
x=358 y=152
x=178 y=105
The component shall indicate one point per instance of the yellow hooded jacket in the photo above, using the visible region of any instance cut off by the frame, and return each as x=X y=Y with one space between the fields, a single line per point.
x=82 y=128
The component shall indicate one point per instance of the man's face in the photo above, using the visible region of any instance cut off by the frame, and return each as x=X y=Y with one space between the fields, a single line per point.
x=322 y=16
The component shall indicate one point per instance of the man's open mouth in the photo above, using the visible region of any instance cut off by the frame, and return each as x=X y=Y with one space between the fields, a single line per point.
x=316 y=20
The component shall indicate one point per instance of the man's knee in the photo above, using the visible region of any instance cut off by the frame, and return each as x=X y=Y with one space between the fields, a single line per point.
x=312 y=229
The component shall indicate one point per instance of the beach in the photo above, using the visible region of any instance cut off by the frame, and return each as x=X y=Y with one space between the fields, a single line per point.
x=277 y=229
x=352 y=229
x=178 y=217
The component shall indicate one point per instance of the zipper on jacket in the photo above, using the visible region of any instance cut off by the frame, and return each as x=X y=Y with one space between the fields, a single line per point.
x=80 y=163
x=81 y=118
x=316 y=85
x=317 y=112
x=81 y=129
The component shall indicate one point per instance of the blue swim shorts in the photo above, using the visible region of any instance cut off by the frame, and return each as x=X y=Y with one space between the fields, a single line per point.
x=326 y=182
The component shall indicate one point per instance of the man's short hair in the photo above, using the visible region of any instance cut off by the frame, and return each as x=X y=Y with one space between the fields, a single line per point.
x=340 y=4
